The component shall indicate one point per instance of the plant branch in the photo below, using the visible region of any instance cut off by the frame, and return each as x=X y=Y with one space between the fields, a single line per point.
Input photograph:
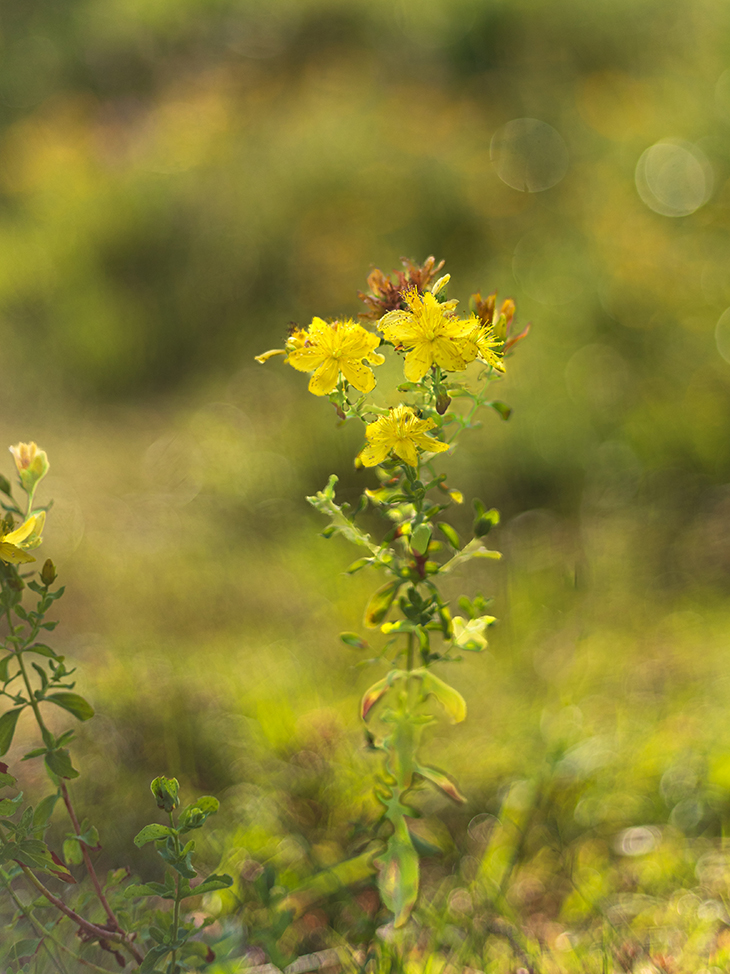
x=87 y=859
x=98 y=933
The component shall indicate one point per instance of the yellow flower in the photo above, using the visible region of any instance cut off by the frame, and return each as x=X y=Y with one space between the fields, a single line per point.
x=486 y=342
x=297 y=338
x=333 y=349
x=432 y=333
x=28 y=535
x=402 y=432
x=32 y=464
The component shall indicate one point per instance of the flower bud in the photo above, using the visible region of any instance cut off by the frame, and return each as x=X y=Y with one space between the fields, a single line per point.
x=165 y=792
x=32 y=464
x=48 y=573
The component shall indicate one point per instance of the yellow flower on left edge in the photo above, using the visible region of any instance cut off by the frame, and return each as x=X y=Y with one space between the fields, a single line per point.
x=28 y=535
x=329 y=350
x=402 y=432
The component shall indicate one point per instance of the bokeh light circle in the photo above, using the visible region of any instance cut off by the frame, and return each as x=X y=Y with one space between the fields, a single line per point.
x=529 y=155
x=722 y=335
x=674 y=178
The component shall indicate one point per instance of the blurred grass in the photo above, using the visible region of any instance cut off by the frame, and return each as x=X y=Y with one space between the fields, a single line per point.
x=180 y=181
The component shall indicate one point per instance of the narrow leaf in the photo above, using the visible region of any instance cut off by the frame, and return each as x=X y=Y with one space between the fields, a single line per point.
x=8 y=722
x=442 y=781
x=72 y=702
x=450 y=534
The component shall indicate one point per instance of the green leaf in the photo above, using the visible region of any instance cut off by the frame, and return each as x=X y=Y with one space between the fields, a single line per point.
x=23 y=950
x=59 y=762
x=380 y=602
x=72 y=852
x=180 y=862
x=449 y=698
x=149 y=889
x=42 y=650
x=152 y=956
x=5 y=486
x=398 y=875
x=151 y=833
x=450 y=534
x=502 y=408
x=212 y=883
x=8 y=805
x=4 y=664
x=72 y=702
x=8 y=722
x=378 y=690
x=356 y=566
x=44 y=810
x=442 y=781
x=195 y=815
x=420 y=539
x=352 y=639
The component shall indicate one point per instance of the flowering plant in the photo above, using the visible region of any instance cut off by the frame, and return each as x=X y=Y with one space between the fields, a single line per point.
x=448 y=359
x=34 y=679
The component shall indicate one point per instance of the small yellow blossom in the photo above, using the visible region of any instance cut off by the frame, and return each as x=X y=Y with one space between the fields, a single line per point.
x=31 y=462
x=297 y=338
x=431 y=333
x=486 y=342
x=402 y=432
x=28 y=535
x=333 y=349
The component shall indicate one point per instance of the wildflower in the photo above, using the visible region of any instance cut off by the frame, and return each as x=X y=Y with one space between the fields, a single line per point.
x=32 y=464
x=431 y=332
x=333 y=349
x=402 y=432
x=28 y=535
x=486 y=342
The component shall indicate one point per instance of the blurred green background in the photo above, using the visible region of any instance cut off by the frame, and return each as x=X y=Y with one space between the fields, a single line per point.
x=178 y=182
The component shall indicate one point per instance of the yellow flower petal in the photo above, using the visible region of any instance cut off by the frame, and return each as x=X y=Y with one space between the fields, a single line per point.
x=418 y=362
x=360 y=376
x=325 y=378
x=14 y=556
x=373 y=454
x=405 y=449
x=265 y=356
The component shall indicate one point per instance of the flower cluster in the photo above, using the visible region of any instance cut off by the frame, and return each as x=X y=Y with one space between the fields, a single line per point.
x=417 y=320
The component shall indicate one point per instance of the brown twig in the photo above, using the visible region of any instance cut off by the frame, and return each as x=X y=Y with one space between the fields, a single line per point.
x=98 y=933
x=87 y=859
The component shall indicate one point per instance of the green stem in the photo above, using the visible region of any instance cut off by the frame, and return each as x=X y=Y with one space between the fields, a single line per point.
x=176 y=907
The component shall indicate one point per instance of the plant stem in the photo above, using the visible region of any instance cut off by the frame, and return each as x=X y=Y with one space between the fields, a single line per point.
x=45 y=932
x=176 y=907
x=98 y=933
x=87 y=859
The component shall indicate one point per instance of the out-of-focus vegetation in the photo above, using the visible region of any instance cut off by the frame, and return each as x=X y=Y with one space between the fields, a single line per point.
x=178 y=182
